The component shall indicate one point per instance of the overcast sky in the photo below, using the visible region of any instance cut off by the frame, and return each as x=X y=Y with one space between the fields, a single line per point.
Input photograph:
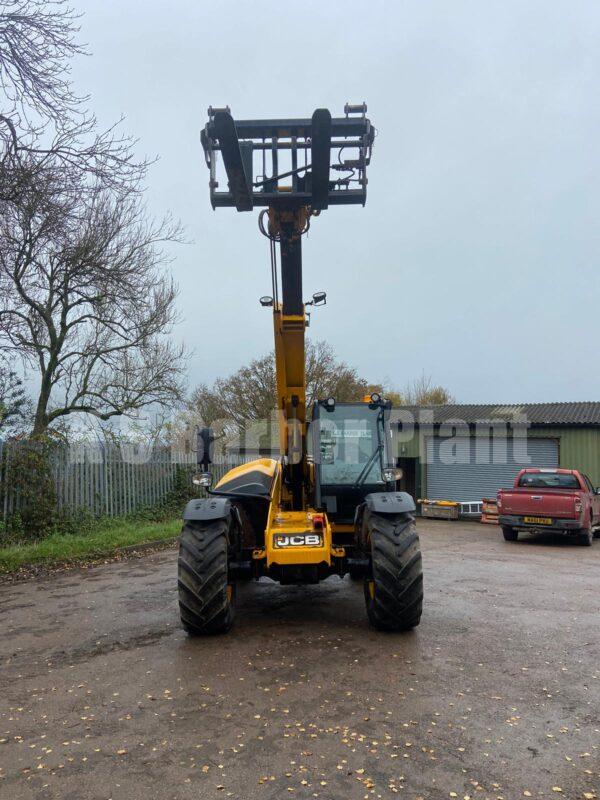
x=476 y=258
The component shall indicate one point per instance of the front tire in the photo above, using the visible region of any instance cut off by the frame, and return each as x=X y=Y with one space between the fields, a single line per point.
x=205 y=594
x=394 y=585
x=586 y=537
x=510 y=534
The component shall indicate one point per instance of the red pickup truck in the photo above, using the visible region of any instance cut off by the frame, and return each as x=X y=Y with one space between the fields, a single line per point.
x=550 y=500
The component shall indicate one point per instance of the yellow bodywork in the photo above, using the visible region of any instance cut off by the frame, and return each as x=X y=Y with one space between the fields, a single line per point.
x=267 y=466
x=290 y=517
x=289 y=524
x=283 y=523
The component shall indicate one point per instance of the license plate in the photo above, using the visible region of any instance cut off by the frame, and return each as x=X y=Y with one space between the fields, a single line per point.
x=538 y=520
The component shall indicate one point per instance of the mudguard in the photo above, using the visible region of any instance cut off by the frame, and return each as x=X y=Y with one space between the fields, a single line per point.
x=390 y=503
x=206 y=509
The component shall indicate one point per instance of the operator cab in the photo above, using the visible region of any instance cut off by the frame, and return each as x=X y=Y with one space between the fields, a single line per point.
x=352 y=453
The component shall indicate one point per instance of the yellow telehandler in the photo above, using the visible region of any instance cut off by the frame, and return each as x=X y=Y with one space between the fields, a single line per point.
x=329 y=504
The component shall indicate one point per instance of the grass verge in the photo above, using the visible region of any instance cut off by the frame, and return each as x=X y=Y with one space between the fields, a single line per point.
x=105 y=539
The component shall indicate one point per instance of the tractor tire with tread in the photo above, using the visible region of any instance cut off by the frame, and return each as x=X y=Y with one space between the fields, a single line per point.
x=205 y=596
x=394 y=587
x=586 y=537
x=510 y=534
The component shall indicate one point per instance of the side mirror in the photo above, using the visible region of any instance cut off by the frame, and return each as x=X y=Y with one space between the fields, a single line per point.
x=205 y=440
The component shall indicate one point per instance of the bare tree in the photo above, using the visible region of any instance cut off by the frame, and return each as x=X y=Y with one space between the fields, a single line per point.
x=419 y=392
x=423 y=392
x=326 y=376
x=250 y=394
x=37 y=41
x=41 y=116
x=83 y=296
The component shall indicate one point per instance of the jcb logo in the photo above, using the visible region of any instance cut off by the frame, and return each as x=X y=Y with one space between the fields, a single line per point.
x=298 y=540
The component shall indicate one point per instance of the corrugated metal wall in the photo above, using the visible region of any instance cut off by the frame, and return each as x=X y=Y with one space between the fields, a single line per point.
x=579 y=449
x=470 y=468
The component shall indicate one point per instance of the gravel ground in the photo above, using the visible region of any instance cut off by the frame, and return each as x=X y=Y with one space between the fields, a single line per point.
x=495 y=695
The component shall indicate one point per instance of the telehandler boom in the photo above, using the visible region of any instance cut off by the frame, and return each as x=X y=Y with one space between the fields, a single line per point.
x=329 y=504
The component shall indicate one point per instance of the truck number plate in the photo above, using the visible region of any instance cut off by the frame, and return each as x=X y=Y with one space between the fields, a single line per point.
x=298 y=540
x=538 y=520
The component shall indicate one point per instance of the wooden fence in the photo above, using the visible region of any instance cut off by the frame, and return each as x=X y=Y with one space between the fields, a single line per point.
x=106 y=480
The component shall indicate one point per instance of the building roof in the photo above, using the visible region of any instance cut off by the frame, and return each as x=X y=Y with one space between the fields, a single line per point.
x=585 y=413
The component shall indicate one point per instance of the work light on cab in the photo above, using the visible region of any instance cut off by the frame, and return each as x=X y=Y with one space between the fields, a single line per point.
x=392 y=474
x=202 y=479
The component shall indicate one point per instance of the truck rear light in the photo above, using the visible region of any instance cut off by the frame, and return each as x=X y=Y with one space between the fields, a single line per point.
x=578 y=505
x=499 y=502
x=317 y=522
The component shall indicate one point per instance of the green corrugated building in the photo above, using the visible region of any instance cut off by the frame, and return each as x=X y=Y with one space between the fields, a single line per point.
x=468 y=452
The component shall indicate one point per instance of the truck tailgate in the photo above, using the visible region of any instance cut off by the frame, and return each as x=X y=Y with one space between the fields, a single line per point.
x=540 y=502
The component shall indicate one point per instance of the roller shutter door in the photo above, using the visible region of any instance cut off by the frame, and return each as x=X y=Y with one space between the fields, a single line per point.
x=463 y=468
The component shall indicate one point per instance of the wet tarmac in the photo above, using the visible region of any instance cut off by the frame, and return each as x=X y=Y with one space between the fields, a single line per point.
x=495 y=695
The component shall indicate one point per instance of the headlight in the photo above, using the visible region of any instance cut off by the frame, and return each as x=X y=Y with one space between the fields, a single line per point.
x=202 y=479
x=392 y=474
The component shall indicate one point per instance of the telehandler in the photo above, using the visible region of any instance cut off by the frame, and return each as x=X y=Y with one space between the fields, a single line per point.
x=329 y=504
